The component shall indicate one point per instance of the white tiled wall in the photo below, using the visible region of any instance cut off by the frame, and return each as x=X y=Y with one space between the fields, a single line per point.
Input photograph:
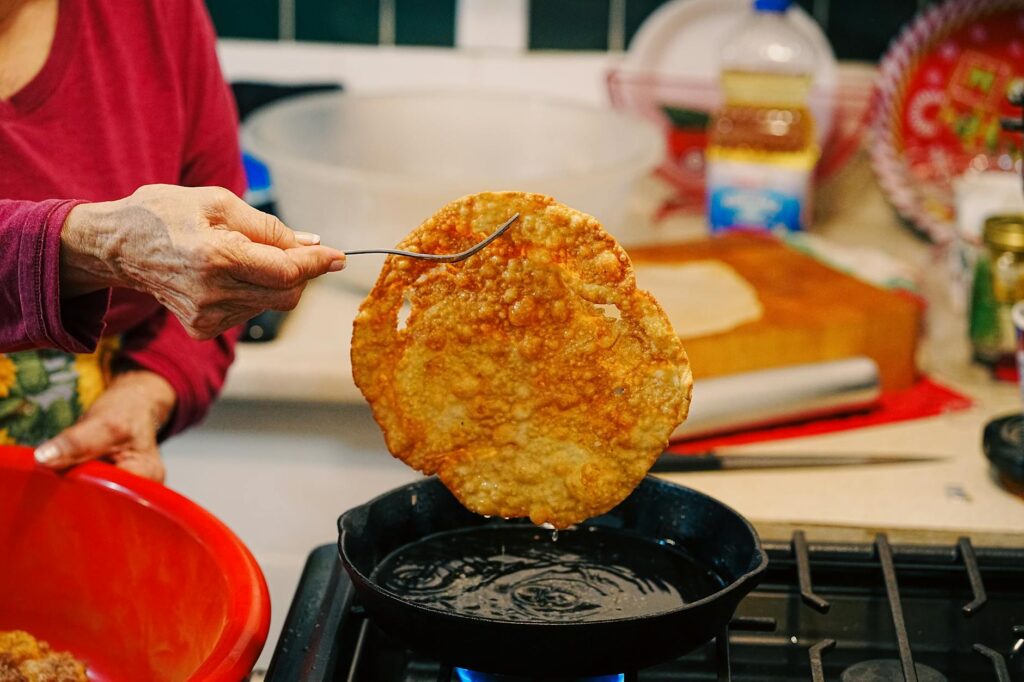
x=578 y=76
x=491 y=24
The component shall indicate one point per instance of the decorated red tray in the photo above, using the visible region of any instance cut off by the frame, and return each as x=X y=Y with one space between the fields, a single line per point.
x=943 y=88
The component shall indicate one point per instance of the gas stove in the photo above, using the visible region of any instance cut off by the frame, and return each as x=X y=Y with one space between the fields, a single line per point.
x=823 y=612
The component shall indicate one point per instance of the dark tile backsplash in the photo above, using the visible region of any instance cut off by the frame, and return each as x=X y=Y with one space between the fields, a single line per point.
x=858 y=29
x=568 y=24
x=245 y=18
x=422 y=22
x=857 y=34
x=336 y=21
x=636 y=12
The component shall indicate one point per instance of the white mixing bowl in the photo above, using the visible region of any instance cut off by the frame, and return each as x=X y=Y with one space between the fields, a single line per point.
x=364 y=170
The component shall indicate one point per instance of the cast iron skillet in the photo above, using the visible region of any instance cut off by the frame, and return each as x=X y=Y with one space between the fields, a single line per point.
x=713 y=534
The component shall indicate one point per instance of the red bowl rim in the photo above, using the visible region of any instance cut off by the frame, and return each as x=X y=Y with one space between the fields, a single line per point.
x=236 y=650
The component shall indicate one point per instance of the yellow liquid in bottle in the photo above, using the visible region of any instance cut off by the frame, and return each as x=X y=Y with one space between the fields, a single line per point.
x=765 y=118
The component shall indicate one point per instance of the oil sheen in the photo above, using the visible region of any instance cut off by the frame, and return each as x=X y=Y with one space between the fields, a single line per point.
x=521 y=573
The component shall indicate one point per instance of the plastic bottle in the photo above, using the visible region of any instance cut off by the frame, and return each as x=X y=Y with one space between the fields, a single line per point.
x=762 y=147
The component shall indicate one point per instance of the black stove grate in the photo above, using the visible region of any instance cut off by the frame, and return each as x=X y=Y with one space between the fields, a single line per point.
x=884 y=551
x=964 y=607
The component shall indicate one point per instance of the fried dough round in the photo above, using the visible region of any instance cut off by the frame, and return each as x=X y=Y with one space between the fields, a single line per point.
x=23 y=658
x=533 y=378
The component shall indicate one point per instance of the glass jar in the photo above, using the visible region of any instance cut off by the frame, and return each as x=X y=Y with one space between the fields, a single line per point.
x=998 y=284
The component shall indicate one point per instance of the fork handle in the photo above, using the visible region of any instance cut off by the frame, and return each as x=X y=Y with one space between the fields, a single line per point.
x=444 y=257
x=440 y=257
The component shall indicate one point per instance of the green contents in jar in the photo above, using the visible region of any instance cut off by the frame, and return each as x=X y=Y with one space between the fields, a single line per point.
x=984 y=317
x=998 y=284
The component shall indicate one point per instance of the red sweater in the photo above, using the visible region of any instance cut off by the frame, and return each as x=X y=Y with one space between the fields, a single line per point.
x=131 y=94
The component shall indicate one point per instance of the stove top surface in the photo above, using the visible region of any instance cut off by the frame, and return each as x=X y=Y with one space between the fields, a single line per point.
x=823 y=612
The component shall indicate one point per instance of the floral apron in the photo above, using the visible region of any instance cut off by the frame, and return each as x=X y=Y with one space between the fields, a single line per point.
x=42 y=392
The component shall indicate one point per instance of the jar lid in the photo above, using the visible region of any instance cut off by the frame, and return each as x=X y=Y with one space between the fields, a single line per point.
x=1003 y=443
x=1005 y=232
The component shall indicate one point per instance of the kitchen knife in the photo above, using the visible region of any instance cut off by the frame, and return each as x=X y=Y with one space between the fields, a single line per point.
x=674 y=463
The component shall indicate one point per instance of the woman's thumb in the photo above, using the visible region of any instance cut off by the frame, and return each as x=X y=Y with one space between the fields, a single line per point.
x=81 y=442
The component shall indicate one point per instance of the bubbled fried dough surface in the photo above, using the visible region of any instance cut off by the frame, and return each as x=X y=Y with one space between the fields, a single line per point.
x=23 y=658
x=533 y=378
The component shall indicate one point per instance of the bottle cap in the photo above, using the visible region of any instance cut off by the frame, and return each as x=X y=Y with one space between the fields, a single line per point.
x=259 y=188
x=772 y=5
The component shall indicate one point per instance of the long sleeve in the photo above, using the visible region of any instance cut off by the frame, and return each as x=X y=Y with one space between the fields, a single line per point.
x=32 y=314
x=195 y=369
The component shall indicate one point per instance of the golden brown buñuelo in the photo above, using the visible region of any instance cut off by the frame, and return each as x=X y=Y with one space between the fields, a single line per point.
x=534 y=378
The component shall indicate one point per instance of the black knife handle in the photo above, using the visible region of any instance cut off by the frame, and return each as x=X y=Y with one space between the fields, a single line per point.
x=672 y=463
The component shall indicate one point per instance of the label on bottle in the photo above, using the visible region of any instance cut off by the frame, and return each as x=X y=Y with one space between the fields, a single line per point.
x=756 y=196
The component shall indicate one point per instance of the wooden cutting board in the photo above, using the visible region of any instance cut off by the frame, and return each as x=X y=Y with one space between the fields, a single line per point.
x=811 y=312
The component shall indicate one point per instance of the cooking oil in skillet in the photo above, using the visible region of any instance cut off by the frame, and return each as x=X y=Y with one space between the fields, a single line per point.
x=519 y=573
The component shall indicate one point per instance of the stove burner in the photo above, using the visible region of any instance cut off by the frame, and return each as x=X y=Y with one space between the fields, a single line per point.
x=327 y=635
x=888 y=670
x=463 y=675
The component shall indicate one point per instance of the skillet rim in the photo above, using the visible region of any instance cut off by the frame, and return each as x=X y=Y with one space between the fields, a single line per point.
x=728 y=590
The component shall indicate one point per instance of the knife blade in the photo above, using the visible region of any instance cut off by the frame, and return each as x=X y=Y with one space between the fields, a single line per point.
x=671 y=462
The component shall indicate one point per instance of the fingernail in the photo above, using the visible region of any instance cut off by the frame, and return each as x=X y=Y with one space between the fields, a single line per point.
x=307 y=238
x=337 y=265
x=46 y=453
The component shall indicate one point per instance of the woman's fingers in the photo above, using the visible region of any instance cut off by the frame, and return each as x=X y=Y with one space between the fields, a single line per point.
x=88 y=439
x=261 y=227
x=311 y=259
x=147 y=464
x=242 y=278
x=202 y=252
x=120 y=426
x=77 y=445
x=285 y=299
x=274 y=268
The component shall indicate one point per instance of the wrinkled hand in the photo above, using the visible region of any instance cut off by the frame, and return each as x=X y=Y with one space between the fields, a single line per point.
x=121 y=427
x=206 y=255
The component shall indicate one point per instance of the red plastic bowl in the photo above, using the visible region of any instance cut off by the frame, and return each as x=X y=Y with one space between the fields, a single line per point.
x=130 y=577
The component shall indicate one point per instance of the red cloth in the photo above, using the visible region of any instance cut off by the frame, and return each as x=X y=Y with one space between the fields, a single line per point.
x=131 y=94
x=924 y=399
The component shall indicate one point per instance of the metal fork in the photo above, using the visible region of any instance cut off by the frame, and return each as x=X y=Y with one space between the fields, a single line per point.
x=445 y=257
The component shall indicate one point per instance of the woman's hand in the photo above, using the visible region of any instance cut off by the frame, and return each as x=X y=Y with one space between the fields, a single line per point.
x=121 y=426
x=205 y=254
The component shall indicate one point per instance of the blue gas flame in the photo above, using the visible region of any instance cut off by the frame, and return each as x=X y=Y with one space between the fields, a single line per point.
x=464 y=675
